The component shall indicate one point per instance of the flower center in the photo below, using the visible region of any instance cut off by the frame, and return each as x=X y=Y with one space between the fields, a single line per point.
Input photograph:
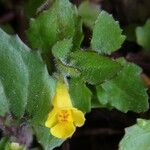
x=64 y=116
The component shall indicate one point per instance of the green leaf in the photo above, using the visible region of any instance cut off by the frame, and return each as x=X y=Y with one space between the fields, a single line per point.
x=89 y=13
x=13 y=75
x=44 y=137
x=137 y=136
x=52 y=25
x=3 y=143
x=67 y=70
x=25 y=79
x=78 y=35
x=126 y=91
x=143 y=35
x=80 y=95
x=107 y=36
x=101 y=94
x=4 y=108
x=62 y=49
x=94 y=68
x=42 y=90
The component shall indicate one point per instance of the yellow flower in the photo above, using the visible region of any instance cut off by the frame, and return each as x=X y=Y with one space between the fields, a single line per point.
x=64 y=118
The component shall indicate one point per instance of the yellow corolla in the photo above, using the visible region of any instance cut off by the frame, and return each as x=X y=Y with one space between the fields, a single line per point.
x=64 y=118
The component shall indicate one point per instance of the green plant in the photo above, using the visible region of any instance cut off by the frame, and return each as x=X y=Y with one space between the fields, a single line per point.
x=55 y=36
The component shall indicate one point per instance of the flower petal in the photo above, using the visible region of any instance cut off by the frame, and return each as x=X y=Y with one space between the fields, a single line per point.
x=52 y=118
x=63 y=130
x=62 y=98
x=78 y=117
